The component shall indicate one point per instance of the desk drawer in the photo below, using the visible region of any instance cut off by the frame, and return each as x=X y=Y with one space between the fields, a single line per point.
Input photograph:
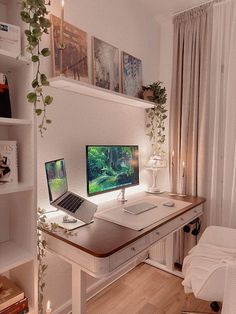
x=128 y=252
x=176 y=223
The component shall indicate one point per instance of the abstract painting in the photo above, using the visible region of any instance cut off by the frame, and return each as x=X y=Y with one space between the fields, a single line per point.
x=131 y=75
x=105 y=65
x=74 y=55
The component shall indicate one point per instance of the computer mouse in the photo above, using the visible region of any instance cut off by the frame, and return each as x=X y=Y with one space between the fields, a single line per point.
x=168 y=204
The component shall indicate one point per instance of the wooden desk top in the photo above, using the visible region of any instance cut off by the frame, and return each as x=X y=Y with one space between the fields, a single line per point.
x=103 y=238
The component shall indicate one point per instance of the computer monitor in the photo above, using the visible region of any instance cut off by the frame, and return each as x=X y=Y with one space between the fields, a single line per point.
x=111 y=167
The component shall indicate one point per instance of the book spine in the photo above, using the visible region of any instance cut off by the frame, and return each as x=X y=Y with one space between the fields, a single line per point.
x=20 y=307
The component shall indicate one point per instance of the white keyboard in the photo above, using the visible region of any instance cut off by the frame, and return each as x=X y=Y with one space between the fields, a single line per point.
x=139 y=208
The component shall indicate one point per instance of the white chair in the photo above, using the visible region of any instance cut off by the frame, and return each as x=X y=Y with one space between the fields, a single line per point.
x=210 y=268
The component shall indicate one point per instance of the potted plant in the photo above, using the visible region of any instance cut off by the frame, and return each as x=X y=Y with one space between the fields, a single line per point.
x=155 y=117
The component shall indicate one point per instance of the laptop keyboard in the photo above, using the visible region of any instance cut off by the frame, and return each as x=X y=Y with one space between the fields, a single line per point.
x=71 y=202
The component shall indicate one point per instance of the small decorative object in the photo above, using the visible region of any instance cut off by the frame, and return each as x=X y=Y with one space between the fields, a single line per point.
x=155 y=163
x=34 y=13
x=69 y=47
x=5 y=104
x=183 y=182
x=172 y=166
x=131 y=75
x=48 y=310
x=105 y=65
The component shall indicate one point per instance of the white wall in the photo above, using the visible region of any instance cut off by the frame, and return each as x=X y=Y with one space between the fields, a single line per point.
x=80 y=120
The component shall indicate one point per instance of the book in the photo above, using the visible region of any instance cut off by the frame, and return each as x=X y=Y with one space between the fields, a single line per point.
x=5 y=104
x=9 y=293
x=8 y=162
x=20 y=307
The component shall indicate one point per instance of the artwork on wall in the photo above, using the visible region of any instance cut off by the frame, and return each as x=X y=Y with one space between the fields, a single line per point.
x=105 y=65
x=75 y=57
x=131 y=75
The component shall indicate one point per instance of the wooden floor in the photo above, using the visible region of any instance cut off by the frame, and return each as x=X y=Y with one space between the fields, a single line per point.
x=145 y=290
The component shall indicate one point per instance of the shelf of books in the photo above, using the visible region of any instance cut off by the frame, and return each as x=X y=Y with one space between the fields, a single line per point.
x=67 y=84
x=18 y=217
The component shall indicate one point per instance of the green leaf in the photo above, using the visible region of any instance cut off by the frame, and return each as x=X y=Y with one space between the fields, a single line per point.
x=27 y=32
x=48 y=121
x=45 y=23
x=43 y=77
x=25 y=16
x=32 y=97
x=35 y=83
x=38 y=111
x=45 y=52
x=35 y=58
x=48 y=100
x=45 y=83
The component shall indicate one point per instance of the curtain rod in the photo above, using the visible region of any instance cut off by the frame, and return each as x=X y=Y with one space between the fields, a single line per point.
x=196 y=6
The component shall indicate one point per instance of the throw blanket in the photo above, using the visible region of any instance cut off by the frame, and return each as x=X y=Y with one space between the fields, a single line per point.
x=201 y=261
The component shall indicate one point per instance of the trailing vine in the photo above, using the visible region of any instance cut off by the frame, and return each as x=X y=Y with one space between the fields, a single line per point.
x=43 y=224
x=155 y=117
x=34 y=12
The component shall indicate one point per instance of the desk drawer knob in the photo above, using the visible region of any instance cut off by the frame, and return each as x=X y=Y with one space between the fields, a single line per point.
x=181 y=218
x=157 y=233
x=195 y=211
x=133 y=249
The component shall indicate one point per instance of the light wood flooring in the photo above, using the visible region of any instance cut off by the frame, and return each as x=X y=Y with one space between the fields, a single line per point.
x=145 y=290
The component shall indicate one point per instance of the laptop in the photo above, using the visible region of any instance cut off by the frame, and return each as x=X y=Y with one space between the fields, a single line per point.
x=59 y=196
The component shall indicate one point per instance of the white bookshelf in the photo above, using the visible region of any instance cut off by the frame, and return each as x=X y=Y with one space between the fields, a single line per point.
x=10 y=61
x=67 y=84
x=12 y=256
x=18 y=204
x=20 y=187
x=14 y=122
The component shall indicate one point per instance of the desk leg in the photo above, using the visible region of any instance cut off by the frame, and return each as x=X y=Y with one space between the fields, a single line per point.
x=78 y=290
x=170 y=251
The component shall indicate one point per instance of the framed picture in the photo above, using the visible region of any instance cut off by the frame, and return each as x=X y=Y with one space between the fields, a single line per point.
x=131 y=75
x=105 y=65
x=74 y=55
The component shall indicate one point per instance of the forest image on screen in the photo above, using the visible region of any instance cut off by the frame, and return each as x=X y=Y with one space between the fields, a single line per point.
x=111 y=167
x=56 y=175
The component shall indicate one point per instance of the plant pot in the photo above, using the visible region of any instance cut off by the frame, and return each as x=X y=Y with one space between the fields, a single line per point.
x=147 y=93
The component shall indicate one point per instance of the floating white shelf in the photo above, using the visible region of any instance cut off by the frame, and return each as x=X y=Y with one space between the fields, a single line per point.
x=11 y=256
x=8 y=188
x=12 y=122
x=82 y=88
x=10 y=61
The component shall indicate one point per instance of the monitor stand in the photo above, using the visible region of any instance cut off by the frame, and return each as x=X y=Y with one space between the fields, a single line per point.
x=121 y=197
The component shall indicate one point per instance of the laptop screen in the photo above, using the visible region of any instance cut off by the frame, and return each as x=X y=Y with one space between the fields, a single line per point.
x=56 y=178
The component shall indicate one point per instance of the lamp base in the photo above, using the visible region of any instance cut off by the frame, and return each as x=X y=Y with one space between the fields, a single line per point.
x=182 y=195
x=154 y=191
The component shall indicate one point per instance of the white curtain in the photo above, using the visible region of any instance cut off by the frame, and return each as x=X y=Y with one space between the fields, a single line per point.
x=221 y=157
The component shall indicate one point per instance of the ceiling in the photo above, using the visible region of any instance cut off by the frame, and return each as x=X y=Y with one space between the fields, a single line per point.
x=169 y=7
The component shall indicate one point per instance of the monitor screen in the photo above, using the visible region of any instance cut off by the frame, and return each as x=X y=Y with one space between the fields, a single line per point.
x=56 y=178
x=111 y=167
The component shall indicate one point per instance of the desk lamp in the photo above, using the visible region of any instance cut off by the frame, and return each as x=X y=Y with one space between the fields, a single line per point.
x=155 y=163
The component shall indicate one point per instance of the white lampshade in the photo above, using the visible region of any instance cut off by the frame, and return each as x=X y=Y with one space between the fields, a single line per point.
x=156 y=162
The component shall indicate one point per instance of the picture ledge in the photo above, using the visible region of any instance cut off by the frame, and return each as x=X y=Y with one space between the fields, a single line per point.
x=64 y=83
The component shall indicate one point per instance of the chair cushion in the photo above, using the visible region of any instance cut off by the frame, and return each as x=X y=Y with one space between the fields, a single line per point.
x=204 y=270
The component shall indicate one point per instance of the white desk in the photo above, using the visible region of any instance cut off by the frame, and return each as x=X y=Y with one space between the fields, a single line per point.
x=103 y=248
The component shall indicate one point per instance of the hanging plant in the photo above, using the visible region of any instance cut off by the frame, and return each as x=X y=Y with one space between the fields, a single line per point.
x=43 y=224
x=155 y=117
x=34 y=13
